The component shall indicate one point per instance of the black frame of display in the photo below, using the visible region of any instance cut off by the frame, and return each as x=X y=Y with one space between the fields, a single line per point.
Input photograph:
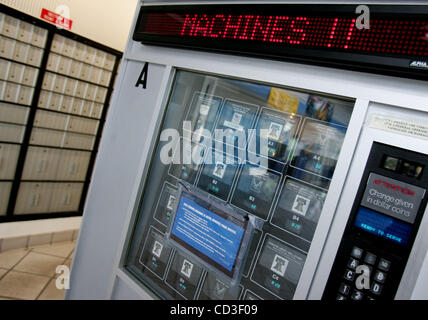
x=371 y=63
x=52 y=30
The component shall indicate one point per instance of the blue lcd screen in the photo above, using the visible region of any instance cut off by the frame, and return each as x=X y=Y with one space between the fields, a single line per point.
x=207 y=233
x=383 y=226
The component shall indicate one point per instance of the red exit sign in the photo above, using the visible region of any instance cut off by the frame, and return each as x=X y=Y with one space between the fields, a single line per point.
x=56 y=19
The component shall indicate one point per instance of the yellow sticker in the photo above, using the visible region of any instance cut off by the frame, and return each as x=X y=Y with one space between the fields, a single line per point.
x=283 y=100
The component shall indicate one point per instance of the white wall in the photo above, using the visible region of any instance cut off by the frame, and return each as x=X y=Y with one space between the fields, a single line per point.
x=104 y=21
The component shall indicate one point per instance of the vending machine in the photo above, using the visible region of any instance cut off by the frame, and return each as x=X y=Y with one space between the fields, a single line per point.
x=265 y=151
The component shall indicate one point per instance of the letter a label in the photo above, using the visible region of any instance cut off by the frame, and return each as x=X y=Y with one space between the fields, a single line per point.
x=142 y=80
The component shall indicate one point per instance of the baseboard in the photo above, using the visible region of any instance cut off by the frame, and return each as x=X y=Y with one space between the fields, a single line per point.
x=27 y=234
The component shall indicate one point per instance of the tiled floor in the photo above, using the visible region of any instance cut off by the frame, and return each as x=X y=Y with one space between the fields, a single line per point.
x=30 y=274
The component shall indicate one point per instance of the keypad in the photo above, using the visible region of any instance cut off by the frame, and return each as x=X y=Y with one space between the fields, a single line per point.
x=379 y=268
x=370 y=258
x=384 y=265
x=357 y=253
x=357 y=295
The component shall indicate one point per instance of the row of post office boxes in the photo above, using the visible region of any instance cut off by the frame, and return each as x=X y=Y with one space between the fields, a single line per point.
x=64 y=85
x=11 y=132
x=61 y=139
x=21 y=52
x=82 y=52
x=72 y=105
x=9 y=154
x=12 y=113
x=60 y=121
x=23 y=31
x=5 y=188
x=55 y=164
x=78 y=69
x=18 y=73
x=48 y=197
x=16 y=93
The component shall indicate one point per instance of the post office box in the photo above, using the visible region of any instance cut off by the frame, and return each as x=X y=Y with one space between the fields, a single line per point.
x=7 y=47
x=53 y=62
x=59 y=84
x=76 y=107
x=25 y=95
x=13 y=113
x=95 y=75
x=70 y=86
x=21 y=51
x=55 y=101
x=35 y=56
x=41 y=164
x=9 y=154
x=16 y=71
x=25 y=32
x=82 y=125
x=73 y=165
x=50 y=120
x=68 y=48
x=64 y=65
x=90 y=55
x=81 y=89
x=5 y=188
x=66 y=197
x=86 y=108
x=10 y=26
x=44 y=99
x=11 y=92
x=75 y=68
x=105 y=78
x=79 y=51
x=57 y=44
x=78 y=141
x=4 y=69
x=85 y=72
x=39 y=37
x=100 y=95
x=29 y=77
x=100 y=57
x=90 y=92
x=66 y=104
x=11 y=132
x=48 y=81
x=2 y=16
x=46 y=137
x=109 y=62
x=2 y=88
x=97 y=110
x=33 y=197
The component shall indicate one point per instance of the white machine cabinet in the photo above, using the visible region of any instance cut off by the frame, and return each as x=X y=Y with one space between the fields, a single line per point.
x=306 y=122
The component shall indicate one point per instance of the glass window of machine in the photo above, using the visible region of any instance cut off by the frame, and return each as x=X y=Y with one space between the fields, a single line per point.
x=267 y=152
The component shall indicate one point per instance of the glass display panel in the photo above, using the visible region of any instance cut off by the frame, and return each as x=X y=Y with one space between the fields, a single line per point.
x=268 y=153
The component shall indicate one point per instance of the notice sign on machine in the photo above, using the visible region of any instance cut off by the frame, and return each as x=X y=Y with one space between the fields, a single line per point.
x=57 y=19
x=392 y=197
x=207 y=233
x=401 y=126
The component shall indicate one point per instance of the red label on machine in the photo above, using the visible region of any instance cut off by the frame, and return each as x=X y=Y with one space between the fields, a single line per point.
x=57 y=19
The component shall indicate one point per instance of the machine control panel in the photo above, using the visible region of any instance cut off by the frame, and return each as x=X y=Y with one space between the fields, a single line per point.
x=382 y=226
